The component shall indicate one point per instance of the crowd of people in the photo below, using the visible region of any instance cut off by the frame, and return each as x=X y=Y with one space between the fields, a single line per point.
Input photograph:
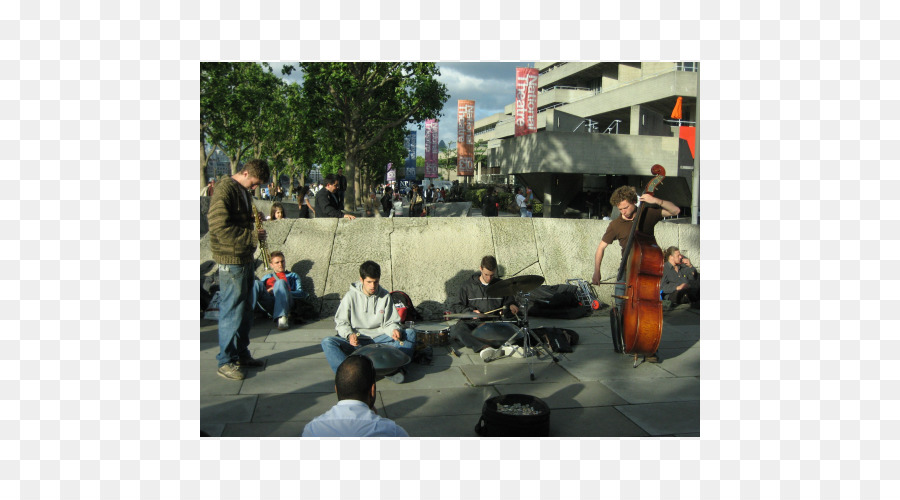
x=366 y=314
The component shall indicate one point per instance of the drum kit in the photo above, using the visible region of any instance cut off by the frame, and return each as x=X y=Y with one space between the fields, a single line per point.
x=500 y=334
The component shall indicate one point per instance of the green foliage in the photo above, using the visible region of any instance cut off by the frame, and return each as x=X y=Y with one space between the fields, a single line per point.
x=356 y=106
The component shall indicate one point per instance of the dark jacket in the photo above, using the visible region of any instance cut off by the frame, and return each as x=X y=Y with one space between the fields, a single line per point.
x=489 y=207
x=472 y=296
x=327 y=205
x=386 y=204
x=232 y=230
x=672 y=279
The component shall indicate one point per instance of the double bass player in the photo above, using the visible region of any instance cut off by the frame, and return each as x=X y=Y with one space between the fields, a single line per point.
x=625 y=199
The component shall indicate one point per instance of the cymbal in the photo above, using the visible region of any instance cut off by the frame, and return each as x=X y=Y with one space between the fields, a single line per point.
x=470 y=316
x=512 y=286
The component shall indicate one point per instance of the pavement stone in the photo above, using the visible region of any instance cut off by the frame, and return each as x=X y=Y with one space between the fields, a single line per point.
x=665 y=419
x=591 y=392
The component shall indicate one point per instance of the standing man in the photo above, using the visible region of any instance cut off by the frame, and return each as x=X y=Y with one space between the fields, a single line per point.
x=208 y=188
x=520 y=202
x=276 y=291
x=473 y=298
x=233 y=239
x=681 y=281
x=625 y=199
x=327 y=204
x=342 y=187
x=365 y=316
x=354 y=415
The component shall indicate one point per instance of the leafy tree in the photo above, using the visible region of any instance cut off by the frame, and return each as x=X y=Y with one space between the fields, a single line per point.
x=238 y=101
x=448 y=156
x=356 y=104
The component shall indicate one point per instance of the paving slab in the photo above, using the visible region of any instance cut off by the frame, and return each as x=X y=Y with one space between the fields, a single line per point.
x=636 y=391
x=426 y=377
x=267 y=429
x=514 y=373
x=592 y=422
x=294 y=406
x=288 y=355
x=447 y=426
x=306 y=375
x=564 y=395
x=681 y=362
x=226 y=409
x=300 y=334
x=435 y=402
x=665 y=419
x=597 y=363
x=211 y=384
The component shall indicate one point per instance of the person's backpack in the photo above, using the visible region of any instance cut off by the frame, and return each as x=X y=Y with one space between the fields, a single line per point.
x=404 y=307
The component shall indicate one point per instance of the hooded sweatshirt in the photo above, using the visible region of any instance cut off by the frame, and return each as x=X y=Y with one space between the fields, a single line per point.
x=368 y=315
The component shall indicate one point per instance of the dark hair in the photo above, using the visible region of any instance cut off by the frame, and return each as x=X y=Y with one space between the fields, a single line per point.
x=330 y=179
x=272 y=211
x=277 y=253
x=354 y=378
x=489 y=262
x=257 y=168
x=370 y=269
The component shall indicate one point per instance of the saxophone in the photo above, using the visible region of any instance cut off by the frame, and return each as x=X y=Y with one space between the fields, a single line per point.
x=263 y=245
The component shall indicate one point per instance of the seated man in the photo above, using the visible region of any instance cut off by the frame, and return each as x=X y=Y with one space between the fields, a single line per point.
x=354 y=415
x=680 y=281
x=276 y=291
x=473 y=298
x=367 y=316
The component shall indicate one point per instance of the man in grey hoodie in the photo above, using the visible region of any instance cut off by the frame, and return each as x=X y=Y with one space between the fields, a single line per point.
x=367 y=316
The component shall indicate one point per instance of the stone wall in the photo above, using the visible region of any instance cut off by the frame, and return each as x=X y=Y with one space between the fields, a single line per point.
x=429 y=258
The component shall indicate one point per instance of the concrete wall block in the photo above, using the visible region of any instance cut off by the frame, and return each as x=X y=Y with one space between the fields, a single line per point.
x=361 y=240
x=431 y=262
x=689 y=242
x=307 y=251
x=566 y=247
x=514 y=244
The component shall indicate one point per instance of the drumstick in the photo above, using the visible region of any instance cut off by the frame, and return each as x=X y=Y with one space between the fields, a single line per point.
x=495 y=310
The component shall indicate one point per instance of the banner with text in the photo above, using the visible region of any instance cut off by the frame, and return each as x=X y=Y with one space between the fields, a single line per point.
x=465 y=137
x=526 y=100
x=410 y=144
x=431 y=148
x=391 y=174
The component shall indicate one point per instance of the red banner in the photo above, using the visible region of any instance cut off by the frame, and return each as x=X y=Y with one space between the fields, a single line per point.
x=465 y=137
x=431 y=148
x=526 y=100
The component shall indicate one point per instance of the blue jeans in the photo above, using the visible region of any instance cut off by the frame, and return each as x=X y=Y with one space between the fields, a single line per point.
x=235 y=312
x=337 y=348
x=523 y=212
x=279 y=302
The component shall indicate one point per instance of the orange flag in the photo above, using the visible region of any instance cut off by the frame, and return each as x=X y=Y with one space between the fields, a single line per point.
x=676 y=113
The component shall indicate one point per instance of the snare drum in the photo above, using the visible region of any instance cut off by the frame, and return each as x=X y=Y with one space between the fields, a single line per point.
x=432 y=334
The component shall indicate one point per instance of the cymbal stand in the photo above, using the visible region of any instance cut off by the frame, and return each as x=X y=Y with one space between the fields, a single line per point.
x=528 y=349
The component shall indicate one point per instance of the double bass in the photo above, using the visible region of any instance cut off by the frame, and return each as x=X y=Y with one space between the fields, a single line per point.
x=637 y=327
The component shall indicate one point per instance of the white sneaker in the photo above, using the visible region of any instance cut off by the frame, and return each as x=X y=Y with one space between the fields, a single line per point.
x=283 y=323
x=510 y=350
x=487 y=354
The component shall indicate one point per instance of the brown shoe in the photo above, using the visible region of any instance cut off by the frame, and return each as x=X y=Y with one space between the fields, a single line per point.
x=653 y=358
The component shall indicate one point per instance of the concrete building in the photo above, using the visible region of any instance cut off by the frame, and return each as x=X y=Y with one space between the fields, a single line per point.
x=600 y=125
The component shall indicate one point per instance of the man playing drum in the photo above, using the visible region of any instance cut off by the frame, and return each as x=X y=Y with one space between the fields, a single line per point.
x=473 y=298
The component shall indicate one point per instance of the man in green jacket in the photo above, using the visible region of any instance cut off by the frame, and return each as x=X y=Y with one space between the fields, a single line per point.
x=233 y=239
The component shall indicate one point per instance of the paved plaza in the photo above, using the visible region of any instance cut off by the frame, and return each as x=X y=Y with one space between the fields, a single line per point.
x=591 y=392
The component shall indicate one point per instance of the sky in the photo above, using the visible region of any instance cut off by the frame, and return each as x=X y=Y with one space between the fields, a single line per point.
x=490 y=84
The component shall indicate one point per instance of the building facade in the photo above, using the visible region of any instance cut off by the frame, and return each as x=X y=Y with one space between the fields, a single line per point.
x=599 y=123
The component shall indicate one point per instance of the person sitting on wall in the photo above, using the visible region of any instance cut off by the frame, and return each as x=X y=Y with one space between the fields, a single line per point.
x=327 y=200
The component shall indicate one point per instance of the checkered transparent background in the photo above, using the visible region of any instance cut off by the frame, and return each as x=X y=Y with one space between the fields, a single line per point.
x=98 y=126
